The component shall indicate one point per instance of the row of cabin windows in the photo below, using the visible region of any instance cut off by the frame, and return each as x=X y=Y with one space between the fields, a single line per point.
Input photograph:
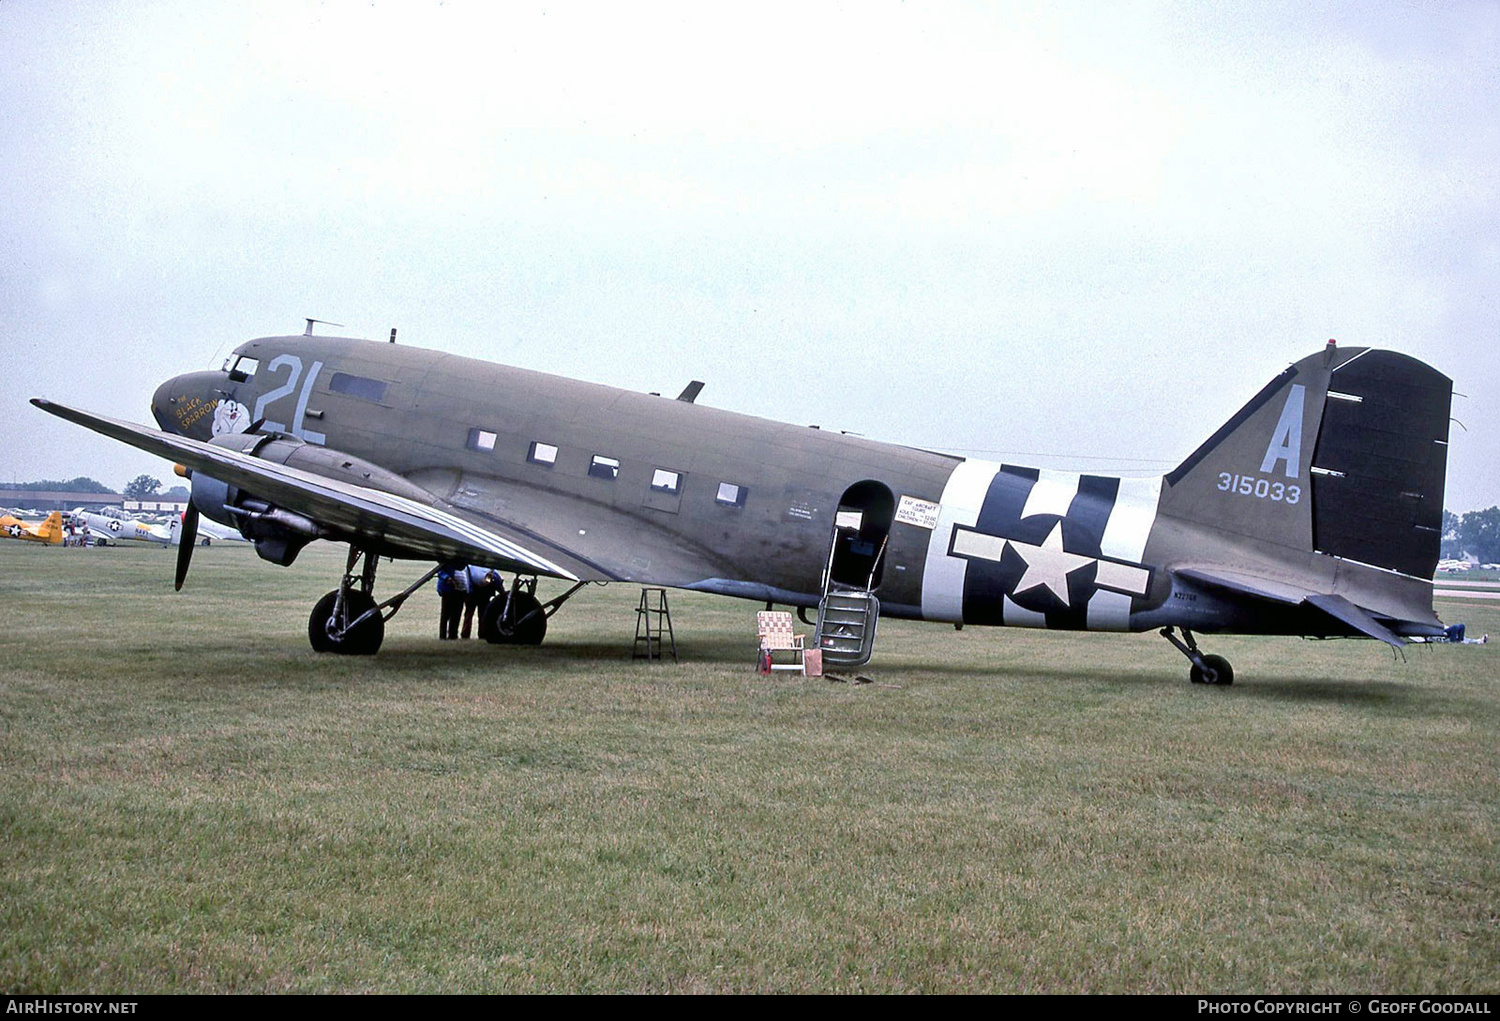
x=608 y=468
x=539 y=453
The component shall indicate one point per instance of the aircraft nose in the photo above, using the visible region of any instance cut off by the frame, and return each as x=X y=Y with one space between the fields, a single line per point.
x=185 y=404
x=164 y=401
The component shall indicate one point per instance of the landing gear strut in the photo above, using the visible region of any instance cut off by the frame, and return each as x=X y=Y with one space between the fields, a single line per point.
x=1206 y=669
x=347 y=620
x=518 y=617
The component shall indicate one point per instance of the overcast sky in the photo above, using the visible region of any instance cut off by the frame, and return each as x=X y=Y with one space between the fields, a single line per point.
x=1068 y=235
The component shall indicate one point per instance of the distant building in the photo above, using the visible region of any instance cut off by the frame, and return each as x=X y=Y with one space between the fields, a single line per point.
x=153 y=505
x=54 y=499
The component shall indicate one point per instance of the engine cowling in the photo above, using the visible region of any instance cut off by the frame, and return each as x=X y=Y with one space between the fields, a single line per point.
x=279 y=534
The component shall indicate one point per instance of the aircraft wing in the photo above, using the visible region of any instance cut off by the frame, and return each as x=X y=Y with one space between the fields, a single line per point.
x=1335 y=606
x=348 y=512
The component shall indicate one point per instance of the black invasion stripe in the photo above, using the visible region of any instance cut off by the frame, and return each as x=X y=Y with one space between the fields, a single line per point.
x=1088 y=515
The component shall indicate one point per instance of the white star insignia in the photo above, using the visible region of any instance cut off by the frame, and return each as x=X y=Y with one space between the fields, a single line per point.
x=1048 y=565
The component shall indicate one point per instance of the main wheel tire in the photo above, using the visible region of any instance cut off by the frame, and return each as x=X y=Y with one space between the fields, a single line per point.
x=530 y=632
x=361 y=641
x=1220 y=672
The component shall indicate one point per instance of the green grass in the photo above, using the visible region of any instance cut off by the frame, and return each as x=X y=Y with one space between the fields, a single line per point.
x=192 y=800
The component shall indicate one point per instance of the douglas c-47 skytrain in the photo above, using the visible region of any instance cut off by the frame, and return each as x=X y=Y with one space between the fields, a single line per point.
x=1314 y=511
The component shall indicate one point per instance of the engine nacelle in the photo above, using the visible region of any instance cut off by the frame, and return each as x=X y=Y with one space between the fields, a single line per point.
x=213 y=498
x=280 y=534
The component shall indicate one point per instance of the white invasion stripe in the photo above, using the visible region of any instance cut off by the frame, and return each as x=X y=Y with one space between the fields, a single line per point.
x=1130 y=522
x=943 y=576
x=1018 y=616
x=1109 y=611
x=976 y=544
x=1052 y=494
x=1131 y=580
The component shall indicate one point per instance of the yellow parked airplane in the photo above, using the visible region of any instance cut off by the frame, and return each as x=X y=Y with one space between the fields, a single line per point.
x=49 y=531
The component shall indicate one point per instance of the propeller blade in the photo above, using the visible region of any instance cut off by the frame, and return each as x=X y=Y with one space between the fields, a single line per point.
x=186 y=539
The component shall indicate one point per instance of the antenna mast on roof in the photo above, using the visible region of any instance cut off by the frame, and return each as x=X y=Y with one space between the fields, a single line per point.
x=308 y=332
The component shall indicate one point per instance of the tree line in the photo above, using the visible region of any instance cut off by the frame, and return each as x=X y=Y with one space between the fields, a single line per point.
x=1477 y=533
x=138 y=488
x=82 y=484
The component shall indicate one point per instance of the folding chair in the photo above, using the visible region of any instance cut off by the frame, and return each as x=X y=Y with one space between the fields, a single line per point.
x=776 y=635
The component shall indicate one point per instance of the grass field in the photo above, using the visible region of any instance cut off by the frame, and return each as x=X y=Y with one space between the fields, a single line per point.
x=192 y=800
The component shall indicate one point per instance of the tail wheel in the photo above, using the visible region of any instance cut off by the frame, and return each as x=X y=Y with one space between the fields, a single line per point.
x=363 y=640
x=1218 y=671
x=524 y=626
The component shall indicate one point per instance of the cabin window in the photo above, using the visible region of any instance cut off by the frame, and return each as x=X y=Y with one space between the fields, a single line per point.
x=664 y=481
x=244 y=367
x=481 y=439
x=544 y=454
x=357 y=386
x=731 y=495
x=602 y=467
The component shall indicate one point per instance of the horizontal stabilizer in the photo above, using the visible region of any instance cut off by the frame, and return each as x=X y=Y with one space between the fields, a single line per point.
x=1337 y=607
x=1245 y=585
x=1342 y=610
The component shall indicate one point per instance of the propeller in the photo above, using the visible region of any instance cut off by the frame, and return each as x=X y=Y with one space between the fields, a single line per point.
x=186 y=539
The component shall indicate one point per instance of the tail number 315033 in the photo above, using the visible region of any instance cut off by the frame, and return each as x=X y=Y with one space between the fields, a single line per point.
x=1259 y=488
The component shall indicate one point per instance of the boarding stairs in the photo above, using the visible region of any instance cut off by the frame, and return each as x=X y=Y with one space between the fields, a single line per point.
x=847 y=619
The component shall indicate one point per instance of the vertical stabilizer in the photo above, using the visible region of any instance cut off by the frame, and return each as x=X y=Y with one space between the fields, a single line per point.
x=1251 y=477
x=51 y=530
x=1344 y=453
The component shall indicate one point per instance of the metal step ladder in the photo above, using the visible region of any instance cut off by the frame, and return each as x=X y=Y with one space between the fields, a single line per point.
x=847 y=619
x=652 y=624
x=847 y=615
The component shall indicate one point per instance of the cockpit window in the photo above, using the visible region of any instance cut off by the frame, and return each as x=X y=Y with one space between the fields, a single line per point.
x=357 y=386
x=244 y=367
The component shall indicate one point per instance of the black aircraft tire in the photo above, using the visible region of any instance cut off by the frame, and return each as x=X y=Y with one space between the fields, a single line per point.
x=530 y=632
x=1223 y=673
x=362 y=641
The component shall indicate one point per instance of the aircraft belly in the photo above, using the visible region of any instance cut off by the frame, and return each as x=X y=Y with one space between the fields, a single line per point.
x=1028 y=547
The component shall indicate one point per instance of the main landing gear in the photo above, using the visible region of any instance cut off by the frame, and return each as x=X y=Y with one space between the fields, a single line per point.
x=1206 y=669
x=347 y=620
x=517 y=616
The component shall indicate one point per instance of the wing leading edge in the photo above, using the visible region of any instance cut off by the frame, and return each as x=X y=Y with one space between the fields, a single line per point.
x=349 y=512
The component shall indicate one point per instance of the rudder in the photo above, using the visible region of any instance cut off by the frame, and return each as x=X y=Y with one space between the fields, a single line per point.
x=1380 y=464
